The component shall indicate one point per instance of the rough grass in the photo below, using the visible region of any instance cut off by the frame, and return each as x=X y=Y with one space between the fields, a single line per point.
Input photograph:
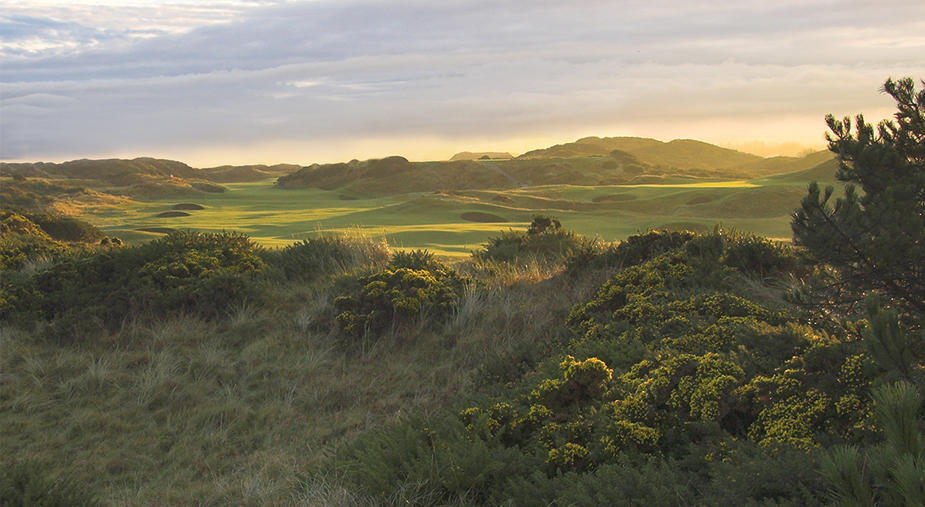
x=187 y=412
x=613 y=198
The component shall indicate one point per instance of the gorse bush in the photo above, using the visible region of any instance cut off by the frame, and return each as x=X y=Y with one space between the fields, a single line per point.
x=545 y=239
x=18 y=221
x=321 y=256
x=671 y=360
x=634 y=250
x=18 y=251
x=183 y=272
x=760 y=256
x=412 y=285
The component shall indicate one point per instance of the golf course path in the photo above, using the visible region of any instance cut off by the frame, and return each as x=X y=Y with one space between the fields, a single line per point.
x=502 y=172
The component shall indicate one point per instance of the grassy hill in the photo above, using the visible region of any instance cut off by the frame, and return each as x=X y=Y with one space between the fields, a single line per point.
x=240 y=174
x=683 y=156
x=75 y=186
x=114 y=169
x=490 y=155
x=588 y=161
x=434 y=205
x=395 y=175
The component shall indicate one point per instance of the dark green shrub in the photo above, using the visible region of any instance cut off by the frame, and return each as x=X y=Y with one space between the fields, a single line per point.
x=312 y=258
x=413 y=284
x=183 y=272
x=19 y=221
x=15 y=224
x=67 y=228
x=418 y=260
x=636 y=250
x=754 y=254
x=16 y=251
x=545 y=239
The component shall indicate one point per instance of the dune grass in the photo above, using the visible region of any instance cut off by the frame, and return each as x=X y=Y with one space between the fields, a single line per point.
x=182 y=411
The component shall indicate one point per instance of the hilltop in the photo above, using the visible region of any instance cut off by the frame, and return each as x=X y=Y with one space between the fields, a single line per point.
x=683 y=156
x=43 y=185
x=395 y=175
x=482 y=155
x=587 y=161
x=121 y=172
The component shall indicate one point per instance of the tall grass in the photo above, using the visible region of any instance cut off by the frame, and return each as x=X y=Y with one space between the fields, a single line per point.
x=184 y=411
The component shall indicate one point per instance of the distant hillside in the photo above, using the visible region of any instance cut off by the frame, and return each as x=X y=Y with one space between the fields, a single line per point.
x=396 y=175
x=823 y=173
x=48 y=186
x=123 y=172
x=112 y=169
x=590 y=161
x=682 y=156
x=491 y=155
x=241 y=174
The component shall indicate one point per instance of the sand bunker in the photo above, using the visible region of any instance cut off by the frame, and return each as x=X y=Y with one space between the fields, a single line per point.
x=188 y=207
x=172 y=214
x=156 y=230
x=483 y=218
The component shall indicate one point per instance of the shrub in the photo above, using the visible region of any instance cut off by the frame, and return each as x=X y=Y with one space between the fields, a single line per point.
x=413 y=284
x=16 y=252
x=311 y=258
x=15 y=224
x=755 y=254
x=67 y=228
x=14 y=220
x=183 y=272
x=636 y=250
x=545 y=239
x=423 y=461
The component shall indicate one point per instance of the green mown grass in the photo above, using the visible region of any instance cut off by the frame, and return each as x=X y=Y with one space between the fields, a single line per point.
x=276 y=217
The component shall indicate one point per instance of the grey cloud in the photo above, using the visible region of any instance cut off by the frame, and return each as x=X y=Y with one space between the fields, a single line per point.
x=322 y=31
x=325 y=69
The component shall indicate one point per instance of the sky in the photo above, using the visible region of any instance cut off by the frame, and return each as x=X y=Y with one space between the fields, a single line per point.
x=215 y=82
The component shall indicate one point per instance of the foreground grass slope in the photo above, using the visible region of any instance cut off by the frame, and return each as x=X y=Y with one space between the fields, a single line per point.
x=682 y=372
x=179 y=406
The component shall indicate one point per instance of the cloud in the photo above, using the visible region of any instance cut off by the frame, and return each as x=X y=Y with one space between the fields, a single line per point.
x=306 y=75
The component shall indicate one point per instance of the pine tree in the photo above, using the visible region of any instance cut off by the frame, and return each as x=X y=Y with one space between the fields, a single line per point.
x=891 y=473
x=874 y=236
